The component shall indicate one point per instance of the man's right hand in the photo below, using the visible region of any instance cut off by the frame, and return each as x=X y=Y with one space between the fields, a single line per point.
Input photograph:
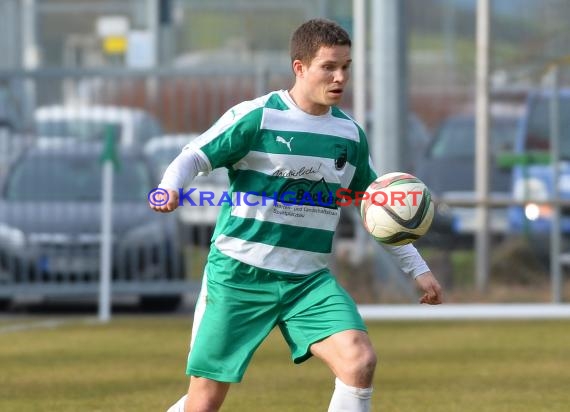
x=164 y=201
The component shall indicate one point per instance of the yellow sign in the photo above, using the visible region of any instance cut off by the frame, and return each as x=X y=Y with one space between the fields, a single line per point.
x=115 y=44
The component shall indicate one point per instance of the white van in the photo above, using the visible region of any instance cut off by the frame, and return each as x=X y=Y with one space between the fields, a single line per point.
x=133 y=126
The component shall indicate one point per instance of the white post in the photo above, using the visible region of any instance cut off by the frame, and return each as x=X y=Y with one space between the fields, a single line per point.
x=30 y=55
x=555 y=232
x=389 y=85
x=359 y=99
x=389 y=108
x=152 y=100
x=106 y=264
x=153 y=27
x=482 y=238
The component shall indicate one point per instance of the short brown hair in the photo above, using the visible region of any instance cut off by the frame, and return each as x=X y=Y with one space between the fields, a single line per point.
x=314 y=34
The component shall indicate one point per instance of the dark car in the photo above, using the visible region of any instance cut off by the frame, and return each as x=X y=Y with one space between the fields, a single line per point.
x=533 y=179
x=448 y=168
x=50 y=223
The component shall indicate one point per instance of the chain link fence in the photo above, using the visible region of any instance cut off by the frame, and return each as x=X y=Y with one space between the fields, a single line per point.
x=220 y=53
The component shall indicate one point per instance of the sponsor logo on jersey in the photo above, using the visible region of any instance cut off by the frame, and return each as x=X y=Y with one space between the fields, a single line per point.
x=302 y=171
x=309 y=192
x=281 y=139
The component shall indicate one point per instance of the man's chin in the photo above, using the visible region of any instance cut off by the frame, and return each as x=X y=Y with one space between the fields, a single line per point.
x=334 y=100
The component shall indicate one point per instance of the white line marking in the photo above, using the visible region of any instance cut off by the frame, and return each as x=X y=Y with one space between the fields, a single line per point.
x=46 y=324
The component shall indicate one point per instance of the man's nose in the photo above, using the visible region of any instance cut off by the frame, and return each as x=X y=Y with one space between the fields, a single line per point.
x=340 y=76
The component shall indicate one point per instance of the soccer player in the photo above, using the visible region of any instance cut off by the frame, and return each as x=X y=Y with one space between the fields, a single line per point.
x=267 y=264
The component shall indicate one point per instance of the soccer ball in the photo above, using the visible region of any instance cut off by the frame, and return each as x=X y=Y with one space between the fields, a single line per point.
x=397 y=209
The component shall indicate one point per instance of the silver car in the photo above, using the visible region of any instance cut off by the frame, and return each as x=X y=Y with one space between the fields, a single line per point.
x=50 y=218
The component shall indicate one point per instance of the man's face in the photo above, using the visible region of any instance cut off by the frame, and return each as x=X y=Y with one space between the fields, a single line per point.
x=324 y=79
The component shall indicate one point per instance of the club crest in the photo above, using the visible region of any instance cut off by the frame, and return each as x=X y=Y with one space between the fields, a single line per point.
x=341 y=156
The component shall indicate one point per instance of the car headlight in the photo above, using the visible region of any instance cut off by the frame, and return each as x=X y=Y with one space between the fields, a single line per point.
x=533 y=211
x=12 y=236
x=444 y=209
x=530 y=189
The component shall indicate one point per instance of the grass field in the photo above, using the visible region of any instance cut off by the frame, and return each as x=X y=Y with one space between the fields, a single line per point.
x=136 y=364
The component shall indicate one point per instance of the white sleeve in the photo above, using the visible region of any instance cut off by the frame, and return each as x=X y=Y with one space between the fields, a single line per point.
x=185 y=167
x=408 y=258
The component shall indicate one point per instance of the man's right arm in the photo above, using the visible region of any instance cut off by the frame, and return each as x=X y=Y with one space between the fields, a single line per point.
x=223 y=144
x=185 y=167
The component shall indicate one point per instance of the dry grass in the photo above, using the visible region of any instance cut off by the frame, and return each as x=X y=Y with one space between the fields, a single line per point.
x=136 y=364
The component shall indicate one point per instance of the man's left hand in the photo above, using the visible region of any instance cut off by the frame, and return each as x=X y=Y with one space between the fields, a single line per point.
x=431 y=288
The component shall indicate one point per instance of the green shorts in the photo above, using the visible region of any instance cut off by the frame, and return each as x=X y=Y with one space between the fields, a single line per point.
x=243 y=304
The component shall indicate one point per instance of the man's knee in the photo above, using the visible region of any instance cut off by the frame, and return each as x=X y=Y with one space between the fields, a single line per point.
x=205 y=395
x=369 y=359
x=357 y=360
x=362 y=362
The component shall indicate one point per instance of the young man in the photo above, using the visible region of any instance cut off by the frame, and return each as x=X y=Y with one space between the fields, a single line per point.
x=267 y=265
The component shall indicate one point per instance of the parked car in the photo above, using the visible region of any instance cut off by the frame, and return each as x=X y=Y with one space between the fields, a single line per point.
x=448 y=168
x=161 y=150
x=132 y=126
x=10 y=115
x=418 y=142
x=201 y=219
x=50 y=218
x=12 y=145
x=13 y=139
x=417 y=138
x=532 y=171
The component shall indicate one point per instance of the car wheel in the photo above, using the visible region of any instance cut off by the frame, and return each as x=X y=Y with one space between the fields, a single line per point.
x=5 y=303
x=164 y=303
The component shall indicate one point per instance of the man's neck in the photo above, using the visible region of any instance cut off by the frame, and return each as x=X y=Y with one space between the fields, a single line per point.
x=312 y=109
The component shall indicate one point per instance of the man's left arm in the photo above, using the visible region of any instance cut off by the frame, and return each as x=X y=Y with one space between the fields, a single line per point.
x=407 y=256
x=431 y=288
x=411 y=262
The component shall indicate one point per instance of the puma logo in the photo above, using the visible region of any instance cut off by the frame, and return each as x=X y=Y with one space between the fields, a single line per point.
x=280 y=139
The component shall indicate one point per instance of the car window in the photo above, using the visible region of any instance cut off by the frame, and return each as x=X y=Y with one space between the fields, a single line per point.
x=160 y=158
x=79 y=128
x=418 y=135
x=456 y=138
x=538 y=127
x=63 y=178
x=147 y=129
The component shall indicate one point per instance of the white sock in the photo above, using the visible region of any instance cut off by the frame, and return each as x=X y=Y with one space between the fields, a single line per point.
x=178 y=406
x=350 y=399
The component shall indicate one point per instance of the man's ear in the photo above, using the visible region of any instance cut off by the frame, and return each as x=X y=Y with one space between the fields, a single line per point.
x=298 y=68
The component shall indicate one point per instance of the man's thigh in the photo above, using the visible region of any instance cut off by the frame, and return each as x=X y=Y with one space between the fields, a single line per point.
x=238 y=314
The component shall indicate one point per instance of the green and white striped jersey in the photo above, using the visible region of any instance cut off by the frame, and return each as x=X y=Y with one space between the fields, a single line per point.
x=277 y=155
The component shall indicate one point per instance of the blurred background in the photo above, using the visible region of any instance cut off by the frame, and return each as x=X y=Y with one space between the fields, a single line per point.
x=150 y=75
